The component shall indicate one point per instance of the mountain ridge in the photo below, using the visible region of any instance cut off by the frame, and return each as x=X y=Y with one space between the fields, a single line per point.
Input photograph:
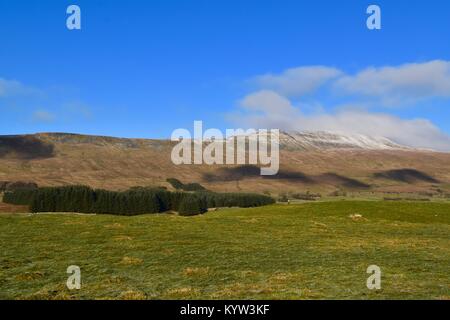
x=292 y=140
x=322 y=164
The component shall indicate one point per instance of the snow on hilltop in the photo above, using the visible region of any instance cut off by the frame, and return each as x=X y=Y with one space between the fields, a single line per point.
x=328 y=140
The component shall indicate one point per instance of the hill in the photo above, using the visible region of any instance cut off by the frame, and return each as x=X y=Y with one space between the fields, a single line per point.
x=320 y=162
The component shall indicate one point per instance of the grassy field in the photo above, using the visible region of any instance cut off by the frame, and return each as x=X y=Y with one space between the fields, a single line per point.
x=303 y=251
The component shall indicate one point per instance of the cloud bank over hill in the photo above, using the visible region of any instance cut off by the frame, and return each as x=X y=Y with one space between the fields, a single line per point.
x=400 y=85
x=274 y=104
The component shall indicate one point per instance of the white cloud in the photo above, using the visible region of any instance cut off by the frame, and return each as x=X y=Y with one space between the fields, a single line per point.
x=43 y=116
x=266 y=109
x=13 y=88
x=23 y=98
x=390 y=85
x=77 y=109
x=263 y=106
x=267 y=101
x=419 y=133
x=9 y=87
x=298 y=81
x=403 y=84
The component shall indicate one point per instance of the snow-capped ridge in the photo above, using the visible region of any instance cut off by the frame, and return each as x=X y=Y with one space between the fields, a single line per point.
x=320 y=140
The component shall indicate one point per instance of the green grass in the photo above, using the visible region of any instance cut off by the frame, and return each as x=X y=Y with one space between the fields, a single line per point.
x=305 y=251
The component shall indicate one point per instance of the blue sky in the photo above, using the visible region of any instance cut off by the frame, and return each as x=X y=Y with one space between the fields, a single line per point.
x=145 y=68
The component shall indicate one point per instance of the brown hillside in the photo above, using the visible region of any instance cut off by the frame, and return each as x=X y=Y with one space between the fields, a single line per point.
x=114 y=163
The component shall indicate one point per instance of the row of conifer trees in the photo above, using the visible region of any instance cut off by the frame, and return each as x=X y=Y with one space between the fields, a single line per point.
x=135 y=201
x=20 y=196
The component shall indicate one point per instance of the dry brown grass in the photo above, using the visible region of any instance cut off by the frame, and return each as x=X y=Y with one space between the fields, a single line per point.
x=189 y=272
x=131 y=261
x=182 y=292
x=103 y=163
x=29 y=276
x=133 y=295
x=123 y=238
x=9 y=208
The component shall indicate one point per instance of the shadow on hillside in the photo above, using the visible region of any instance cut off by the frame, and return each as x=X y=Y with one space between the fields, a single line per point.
x=335 y=179
x=251 y=171
x=25 y=147
x=406 y=175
